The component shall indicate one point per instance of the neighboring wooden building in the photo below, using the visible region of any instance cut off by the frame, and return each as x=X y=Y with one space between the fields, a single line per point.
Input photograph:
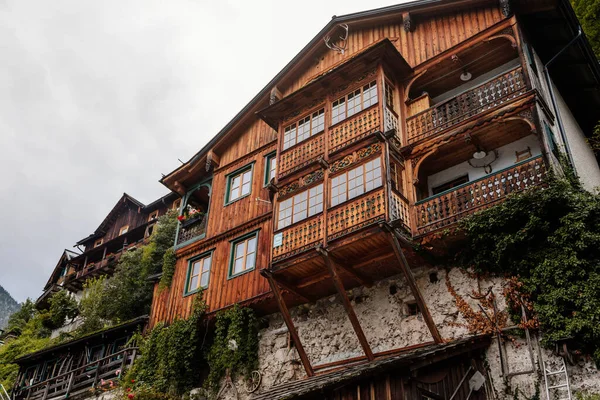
x=389 y=126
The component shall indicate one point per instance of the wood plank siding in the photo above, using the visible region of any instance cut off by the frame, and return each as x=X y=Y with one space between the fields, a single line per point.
x=431 y=37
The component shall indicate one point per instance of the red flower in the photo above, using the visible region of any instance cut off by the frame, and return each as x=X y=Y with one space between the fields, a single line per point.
x=130 y=395
x=133 y=381
x=129 y=389
x=181 y=218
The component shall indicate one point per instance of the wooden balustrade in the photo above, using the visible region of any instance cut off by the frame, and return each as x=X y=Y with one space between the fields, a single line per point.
x=193 y=230
x=459 y=108
x=355 y=214
x=399 y=210
x=80 y=379
x=301 y=154
x=354 y=128
x=299 y=237
x=448 y=207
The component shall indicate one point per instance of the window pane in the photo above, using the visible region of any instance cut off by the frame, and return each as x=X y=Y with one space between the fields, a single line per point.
x=193 y=283
x=315 y=201
x=303 y=129
x=369 y=94
x=206 y=264
x=204 y=279
x=354 y=103
x=238 y=266
x=272 y=167
x=289 y=136
x=338 y=110
x=318 y=122
x=196 y=267
x=251 y=245
x=250 y=260
x=240 y=249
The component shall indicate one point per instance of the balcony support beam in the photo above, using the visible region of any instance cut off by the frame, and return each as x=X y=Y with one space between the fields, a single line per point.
x=293 y=289
x=356 y=275
x=288 y=321
x=339 y=286
x=412 y=283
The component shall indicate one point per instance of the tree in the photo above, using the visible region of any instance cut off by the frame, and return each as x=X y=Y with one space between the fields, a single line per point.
x=588 y=13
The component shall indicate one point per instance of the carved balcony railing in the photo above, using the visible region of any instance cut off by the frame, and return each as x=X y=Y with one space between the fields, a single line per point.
x=301 y=155
x=192 y=230
x=80 y=380
x=355 y=214
x=459 y=108
x=448 y=207
x=298 y=237
x=399 y=210
x=354 y=128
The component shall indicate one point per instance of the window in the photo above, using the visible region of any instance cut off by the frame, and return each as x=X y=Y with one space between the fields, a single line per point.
x=354 y=102
x=270 y=167
x=95 y=353
x=149 y=230
x=176 y=204
x=449 y=185
x=198 y=273
x=551 y=140
x=153 y=215
x=303 y=129
x=239 y=184
x=396 y=175
x=301 y=206
x=243 y=254
x=355 y=182
x=389 y=95
x=123 y=230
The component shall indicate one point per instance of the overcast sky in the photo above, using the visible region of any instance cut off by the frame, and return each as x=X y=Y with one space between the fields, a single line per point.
x=98 y=98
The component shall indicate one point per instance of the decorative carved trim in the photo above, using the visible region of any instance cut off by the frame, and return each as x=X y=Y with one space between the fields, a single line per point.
x=506 y=7
x=355 y=81
x=304 y=109
x=409 y=85
x=355 y=157
x=408 y=22
x=416 y=164
x=506 y=33
x=526 y=116
x=304 y=181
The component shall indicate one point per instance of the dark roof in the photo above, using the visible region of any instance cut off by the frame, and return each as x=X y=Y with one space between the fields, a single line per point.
x=94 y=335
x=67 y=255
x=298 y=389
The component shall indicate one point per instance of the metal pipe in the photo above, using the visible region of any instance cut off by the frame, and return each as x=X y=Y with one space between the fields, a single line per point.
x=561 y=127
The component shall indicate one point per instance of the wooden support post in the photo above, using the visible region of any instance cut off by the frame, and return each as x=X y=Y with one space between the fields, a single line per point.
x=337 y=282
x=70 y=385
x=359 y=277
x=413 y=284
x=294 y=290
x=288 y=321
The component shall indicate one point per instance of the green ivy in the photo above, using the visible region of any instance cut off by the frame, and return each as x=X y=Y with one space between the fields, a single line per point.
x=235 y=345
x=548 y=237
x=169 y=261
x=171 y=357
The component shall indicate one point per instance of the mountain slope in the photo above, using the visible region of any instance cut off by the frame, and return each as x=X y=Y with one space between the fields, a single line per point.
x=8 y=305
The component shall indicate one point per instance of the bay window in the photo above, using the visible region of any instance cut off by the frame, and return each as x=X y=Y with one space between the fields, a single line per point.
x=301 y=206
x=356 y=181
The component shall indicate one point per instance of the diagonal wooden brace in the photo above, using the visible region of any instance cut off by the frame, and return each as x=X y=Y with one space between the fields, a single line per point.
x=337 y=282
x=288 y=321
x=394 y=240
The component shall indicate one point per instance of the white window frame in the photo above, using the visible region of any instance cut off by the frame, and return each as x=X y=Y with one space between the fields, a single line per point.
x=354 y=102
x=304 y=128
x=301 y=206
x=356 y=181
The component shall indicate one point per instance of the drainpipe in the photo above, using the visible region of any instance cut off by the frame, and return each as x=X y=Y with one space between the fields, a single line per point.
x=561 y=127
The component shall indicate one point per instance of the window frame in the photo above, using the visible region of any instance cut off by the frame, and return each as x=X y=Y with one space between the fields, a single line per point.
x=232 y=244
x=153 y=215
x=126 y=227
x=231 y=176
x=177 y=204
x=308 y=206
x=191 y=261
x=296 y=122
x=346 y=101
x=98 y=243
x=347 y=171
x=272 y=156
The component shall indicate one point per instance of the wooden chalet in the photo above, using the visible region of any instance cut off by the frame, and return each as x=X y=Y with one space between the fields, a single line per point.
x=388 y=127
x=72 y=368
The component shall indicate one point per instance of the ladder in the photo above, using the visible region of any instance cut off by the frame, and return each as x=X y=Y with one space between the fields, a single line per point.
x=561 y=374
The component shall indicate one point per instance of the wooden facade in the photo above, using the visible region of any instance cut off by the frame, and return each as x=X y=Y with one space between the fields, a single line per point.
x=419 y=114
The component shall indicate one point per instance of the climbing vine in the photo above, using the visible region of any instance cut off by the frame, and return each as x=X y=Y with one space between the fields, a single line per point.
x=235 y=346
x=548 y=240
x=171 y=357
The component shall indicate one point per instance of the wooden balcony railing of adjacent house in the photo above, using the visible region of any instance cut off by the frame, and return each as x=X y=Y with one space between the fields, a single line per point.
x=450 y=206
x=399 y=209
x=81 y=379
x=354 y=128
x=301 y=155
x=299 y=237
x=463 y=106
x=355 y=214
x=190 y=230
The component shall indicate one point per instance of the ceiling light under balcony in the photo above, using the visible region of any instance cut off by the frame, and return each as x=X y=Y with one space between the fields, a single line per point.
x=465 y=76
x=480 y=154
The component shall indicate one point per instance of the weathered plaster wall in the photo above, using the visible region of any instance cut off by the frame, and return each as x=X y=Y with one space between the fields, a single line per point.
x=327 y=335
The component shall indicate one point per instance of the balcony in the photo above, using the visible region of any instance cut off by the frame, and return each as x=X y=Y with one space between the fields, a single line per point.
x=193 y=219
x=190 y=230
x=448 y=207
x=479 y=99
x=354 y=128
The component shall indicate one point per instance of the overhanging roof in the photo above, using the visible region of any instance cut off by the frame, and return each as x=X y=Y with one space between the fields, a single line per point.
x=404 y=361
